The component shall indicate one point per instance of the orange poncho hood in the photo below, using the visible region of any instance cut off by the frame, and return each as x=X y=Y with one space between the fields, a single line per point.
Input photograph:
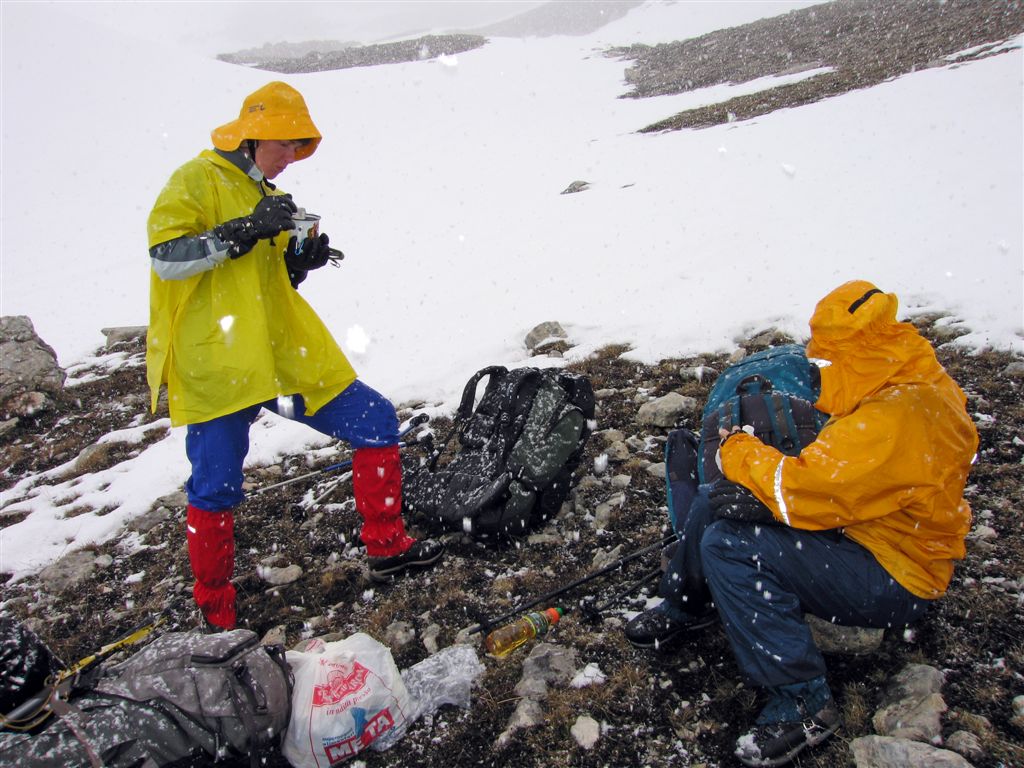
x=862 y=347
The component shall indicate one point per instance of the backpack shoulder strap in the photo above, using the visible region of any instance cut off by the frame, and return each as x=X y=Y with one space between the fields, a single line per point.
x=469 y=391
x=580 y=390
x=68 y=714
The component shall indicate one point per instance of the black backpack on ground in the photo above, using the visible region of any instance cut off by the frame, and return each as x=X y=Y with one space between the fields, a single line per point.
x=26 y=663
x=772 y=391
x=518 y=449
x=185 y=700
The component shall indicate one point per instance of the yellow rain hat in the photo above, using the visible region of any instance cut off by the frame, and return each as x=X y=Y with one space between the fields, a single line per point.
x=276 y=112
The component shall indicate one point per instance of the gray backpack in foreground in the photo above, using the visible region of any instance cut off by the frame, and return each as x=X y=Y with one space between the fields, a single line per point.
x=186 y=699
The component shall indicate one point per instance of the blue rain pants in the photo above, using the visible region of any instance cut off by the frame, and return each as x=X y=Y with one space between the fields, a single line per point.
x=763 y=578
x=217 y=448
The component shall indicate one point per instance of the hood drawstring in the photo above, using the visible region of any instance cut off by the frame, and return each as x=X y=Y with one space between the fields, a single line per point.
x=264 y=183
x=248 y=150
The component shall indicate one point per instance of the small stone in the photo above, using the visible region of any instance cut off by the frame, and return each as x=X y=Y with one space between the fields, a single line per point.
x=833 y=638
x=912 y=706
x=312 y=523
x=576 y=186
x=604 y=394
x=553 y=663
x=69 y=571
x=275 y=636
x=586 y=730
x=603 y=513
x=1015 y=369
x=147 y=521
x=966 y=744
x=634 y=443
x=622 y=481
x=528 y=713
x=656 y=469
x=874 y=751
x=470 y=635
x=531 y=688
x=589 y=675
x=123 y=334
x=535 y=539
x=697 y=372
x=617 y=452
x=176 y=500
x=429 y=637
x=983 y=533
x=278 y=577
x=544 y=332
x=666 y=410
x=1018 y=706
x=93 y=457
x=612 y=436
x=602 y=558
x=399 y=633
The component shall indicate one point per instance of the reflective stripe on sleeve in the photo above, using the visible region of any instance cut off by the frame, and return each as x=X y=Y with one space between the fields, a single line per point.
x=778 y=493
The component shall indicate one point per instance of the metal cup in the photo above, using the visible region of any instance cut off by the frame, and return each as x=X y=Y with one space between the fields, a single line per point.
x=307 y=227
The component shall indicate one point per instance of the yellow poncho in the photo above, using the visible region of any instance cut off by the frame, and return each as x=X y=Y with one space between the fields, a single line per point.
x=237 y=334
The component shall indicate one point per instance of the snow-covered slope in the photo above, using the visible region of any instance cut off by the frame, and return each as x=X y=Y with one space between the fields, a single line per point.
x=440 y=180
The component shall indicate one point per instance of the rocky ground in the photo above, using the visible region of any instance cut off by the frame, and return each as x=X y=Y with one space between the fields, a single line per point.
x=418 y=49
x=684 y=707
x=864 y=42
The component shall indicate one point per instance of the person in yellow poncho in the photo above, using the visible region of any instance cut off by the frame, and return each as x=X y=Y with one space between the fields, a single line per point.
x=229 y=334
x=861 y=528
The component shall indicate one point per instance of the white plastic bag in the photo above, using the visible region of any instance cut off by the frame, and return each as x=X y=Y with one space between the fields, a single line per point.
x=347 y=694
x=444 y=678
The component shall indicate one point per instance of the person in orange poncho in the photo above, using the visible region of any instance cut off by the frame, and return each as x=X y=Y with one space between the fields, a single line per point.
x=861 y=528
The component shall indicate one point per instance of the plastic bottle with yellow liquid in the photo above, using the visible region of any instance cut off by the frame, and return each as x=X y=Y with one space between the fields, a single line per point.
x=501 y=642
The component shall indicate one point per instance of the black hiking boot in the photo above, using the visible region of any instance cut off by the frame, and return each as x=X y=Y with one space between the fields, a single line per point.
x=654 y=628
x=778 y=743
x=422 y=553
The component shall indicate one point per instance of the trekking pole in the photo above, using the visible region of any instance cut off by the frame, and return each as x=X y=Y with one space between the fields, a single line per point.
x=592 y=612
x=35 y=710
x=484 y=625
x=416 y=421
x=331 y=489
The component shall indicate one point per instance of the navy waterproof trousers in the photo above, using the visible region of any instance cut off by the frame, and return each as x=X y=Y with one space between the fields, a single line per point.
x=763 y=578
x=217 y=448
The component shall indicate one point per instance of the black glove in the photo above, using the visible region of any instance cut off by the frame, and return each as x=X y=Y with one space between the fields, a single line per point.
x=734 y=502
x=271 y=215
x=315 y=254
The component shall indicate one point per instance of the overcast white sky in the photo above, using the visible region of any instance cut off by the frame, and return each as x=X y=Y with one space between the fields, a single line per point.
x=222 y=27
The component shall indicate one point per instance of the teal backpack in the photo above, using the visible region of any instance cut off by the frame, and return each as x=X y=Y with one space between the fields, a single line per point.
x=773 y=391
